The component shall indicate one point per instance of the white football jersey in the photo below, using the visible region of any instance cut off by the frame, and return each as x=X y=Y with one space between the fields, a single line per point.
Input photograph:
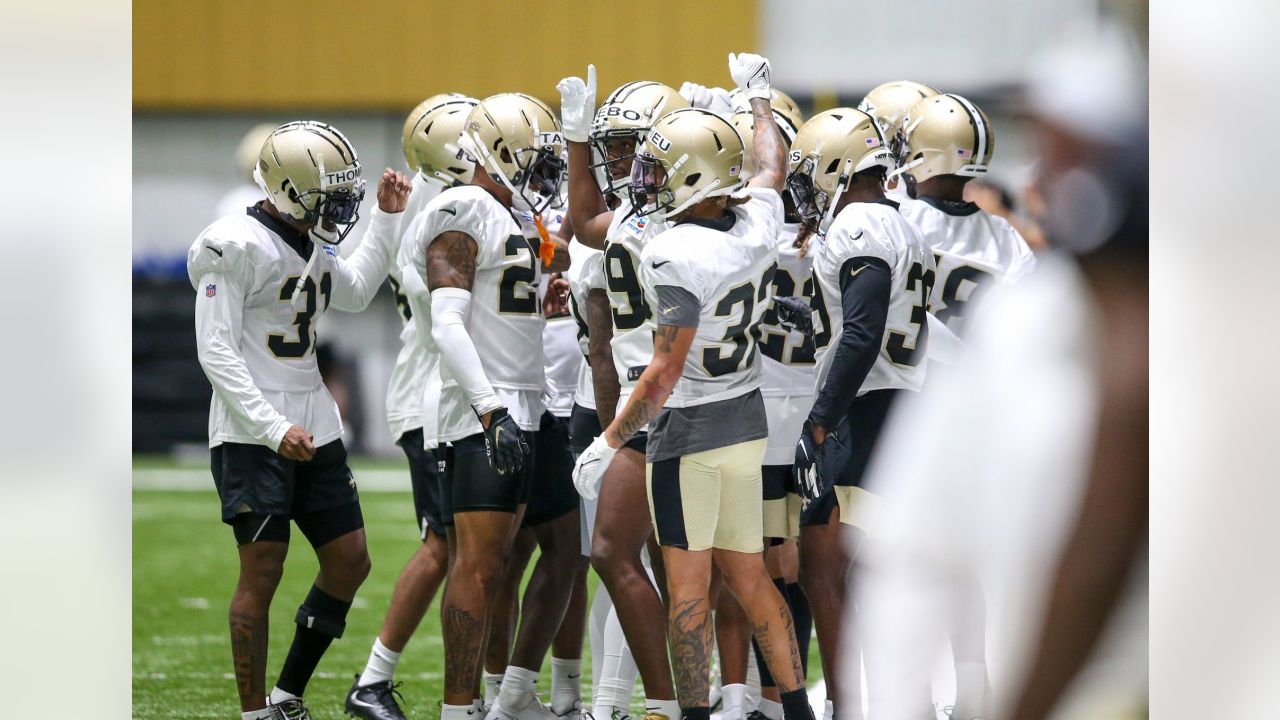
x=587 y=263
x=632 y=327
x=413 y=363
x=877 y=230
x=256 y=346
x=973 y=250
x=728 y=271
x=789 y=358
x=505 y=320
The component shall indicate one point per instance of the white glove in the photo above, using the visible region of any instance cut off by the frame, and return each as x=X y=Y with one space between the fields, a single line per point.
x=577 y=105
x=715 y=99
x=751 y=73
x=591 y=466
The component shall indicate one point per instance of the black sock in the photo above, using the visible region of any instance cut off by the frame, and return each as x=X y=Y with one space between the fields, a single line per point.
x=804 y=622
x=795 y=705
x=695 y=713
x=321 y=618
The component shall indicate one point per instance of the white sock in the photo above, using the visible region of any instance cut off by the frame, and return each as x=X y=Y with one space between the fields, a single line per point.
x=381 y=665
x=770 y=709
x=492 y=683
x=600 y=606
x=734 y=697
x=263 y=714
x=670 y=708
x=971 y=690
x=479 y=705
x=278 y=696
x=456 y=712
x=566 y=684
x=517 y=685
x=753 y=681
x=617 y=679
x=829 y=710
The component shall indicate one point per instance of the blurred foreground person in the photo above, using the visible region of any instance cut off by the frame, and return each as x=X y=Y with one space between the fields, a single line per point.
x=1034 y=483
x=262 y=278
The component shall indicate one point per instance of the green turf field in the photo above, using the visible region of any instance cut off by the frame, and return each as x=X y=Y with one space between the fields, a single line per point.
x=184 y=569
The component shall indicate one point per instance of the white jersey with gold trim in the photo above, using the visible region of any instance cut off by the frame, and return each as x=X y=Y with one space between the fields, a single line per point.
x=877 y=230
x=413 y=363
x=255 y=342
x=789 y=358
x=973 y=249
x=620 y=277
x=728 y=271
x=505 y=319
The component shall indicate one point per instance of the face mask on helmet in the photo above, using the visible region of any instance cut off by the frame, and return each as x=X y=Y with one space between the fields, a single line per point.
x=612 y=154
x=537 y=183
x=333 y=213
x=648 y=188
x=806 y=198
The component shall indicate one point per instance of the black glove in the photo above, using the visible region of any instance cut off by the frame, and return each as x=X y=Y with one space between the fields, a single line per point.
x=794 y=312
x=808 y=467
x=504 y=443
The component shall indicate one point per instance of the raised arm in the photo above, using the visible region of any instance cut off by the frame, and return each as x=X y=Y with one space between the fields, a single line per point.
x=587 y=210
x=752 y=74
x=360 y=275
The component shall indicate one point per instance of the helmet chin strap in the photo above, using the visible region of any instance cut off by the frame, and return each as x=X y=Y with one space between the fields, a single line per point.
x=841 y=185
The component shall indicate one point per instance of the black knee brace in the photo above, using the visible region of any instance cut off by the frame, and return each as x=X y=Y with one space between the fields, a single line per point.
x=323 y=613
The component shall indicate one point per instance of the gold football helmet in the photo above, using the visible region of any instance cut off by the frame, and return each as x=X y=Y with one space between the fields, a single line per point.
x=744 y=123
x=946 y=135
x=626 y=115
x=311 y=173
x=432 y=144
x=778 y=100
x=889 y=102
x=690 y=155
x=412 y=119
x=517 y=140
x=828 y=151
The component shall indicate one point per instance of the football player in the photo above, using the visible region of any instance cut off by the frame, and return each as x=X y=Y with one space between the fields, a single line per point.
x=707 y=277
x=872 y=275
x=619 y=532
x=490 y=345
x=787 y=387
x=263 y=279
x=432 y=149
x=888 y=103
x=947 y=141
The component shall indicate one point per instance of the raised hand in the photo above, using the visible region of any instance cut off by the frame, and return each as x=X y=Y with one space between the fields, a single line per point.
x=577 y=105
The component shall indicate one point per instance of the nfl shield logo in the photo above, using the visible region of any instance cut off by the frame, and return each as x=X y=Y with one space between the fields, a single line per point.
x=210 y=290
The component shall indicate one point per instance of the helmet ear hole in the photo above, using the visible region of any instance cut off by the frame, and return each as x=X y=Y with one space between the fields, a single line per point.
x=833 y=166
x=692 y=179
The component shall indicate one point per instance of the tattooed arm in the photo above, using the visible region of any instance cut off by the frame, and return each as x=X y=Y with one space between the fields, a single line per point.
x=670 y=347
x=768 y=150
x=604 y=376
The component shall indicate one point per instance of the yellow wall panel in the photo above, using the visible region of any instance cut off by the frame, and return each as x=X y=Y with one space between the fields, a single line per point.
x=389 y=54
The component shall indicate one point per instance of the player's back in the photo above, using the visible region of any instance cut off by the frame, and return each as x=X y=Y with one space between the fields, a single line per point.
x=789 y=356
x=973 y=249
x=266 y=258
x=504 y=320
x=727 y=267
x=877 y=230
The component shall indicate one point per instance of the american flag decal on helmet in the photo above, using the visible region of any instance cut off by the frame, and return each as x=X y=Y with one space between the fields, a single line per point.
x=962 y=152
x=210 y=290
x=873 y=142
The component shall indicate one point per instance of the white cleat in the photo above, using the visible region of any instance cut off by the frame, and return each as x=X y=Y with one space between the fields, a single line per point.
x=528 y=707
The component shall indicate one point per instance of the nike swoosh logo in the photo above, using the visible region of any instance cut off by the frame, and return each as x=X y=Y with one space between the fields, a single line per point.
x=855 y=272
x=855 y=237
x=451 y=211
x=574 y=677
x=667 y=311
x=215 y=250
x=660 y=264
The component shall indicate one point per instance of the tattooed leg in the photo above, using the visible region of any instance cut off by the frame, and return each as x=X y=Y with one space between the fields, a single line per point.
x=690 y=628
x=771 y=621
x=261 y=565
x=483 y=541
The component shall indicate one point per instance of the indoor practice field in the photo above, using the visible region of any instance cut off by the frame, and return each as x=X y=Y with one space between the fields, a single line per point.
x=184 y=569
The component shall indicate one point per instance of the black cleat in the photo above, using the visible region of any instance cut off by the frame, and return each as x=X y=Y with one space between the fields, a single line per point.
x=374 y=702
x=291 y=710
